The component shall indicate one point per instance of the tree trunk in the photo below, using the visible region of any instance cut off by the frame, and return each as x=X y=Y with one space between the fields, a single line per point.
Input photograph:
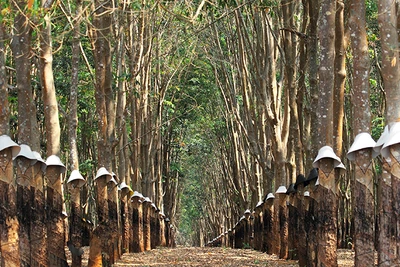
x=327 y=199
x=113 y=221
x=311 y=227
x=55 y=218
x=326 y=72
x=24 y=178
x=339 y=79
x=21 y=47
x=386 y=226
x=5 y=111
x=100 y=36
x=283 y=226
x=76 y=227
x=268 y=227
x=327 y=216
x=388 y=23
x=364 y=218
x=27 y=124
x=9 y=224
x=163 y=241
x=313 y=145
x=99 y=252
x=9 y=240
x=38 y=225
x=137 y=242
x=49 y=92
x=302 y=223
x=146 y=225
x=258 y=228
x=362 y=185
x=239 y=235
x=295 y=148
x=293 y=226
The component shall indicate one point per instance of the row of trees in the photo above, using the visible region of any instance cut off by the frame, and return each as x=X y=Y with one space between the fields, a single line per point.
x=224 y=101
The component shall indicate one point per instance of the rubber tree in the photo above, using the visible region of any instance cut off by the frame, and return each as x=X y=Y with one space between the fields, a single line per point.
x=9 y=242
x=104 y=235
x=389 y=182
x=362 y=177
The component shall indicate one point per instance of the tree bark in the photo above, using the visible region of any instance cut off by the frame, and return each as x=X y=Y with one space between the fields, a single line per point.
x=24 y=178
x=9 y=224
x=326 y=72
x=339 y=78
x=258 y=228
x=363 y=191
x=387 y=20
x=55 y=218
x=136 y=243
x=302 y=223
x=364 y=218
x=311 y=227
x=76 y=227
x=21 y=47
x=386 y=225
x=268 y=219
x=146 y=225
x=99 y=252
x=49 y=92
x=327 y=215
x=100 y=36
x=4 y=110
x=293 y=232
x=313 y=145
x=38 y=225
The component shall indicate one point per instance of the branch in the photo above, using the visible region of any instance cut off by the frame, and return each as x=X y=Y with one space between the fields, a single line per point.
x=299 y=34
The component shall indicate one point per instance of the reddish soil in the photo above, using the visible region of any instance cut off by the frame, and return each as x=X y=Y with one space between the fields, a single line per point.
x=216 y=257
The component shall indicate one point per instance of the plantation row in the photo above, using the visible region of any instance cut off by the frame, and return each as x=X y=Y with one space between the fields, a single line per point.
x=300 y=222
x=289 y=232
x=36 y=226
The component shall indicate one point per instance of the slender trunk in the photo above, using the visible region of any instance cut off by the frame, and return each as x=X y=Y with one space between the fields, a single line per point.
x=49 y=92
x=313 y=144
x=326 y=214
x=4 y=111
x=21 y=47
x=268 y=219
x=362 y=184
x=146 y=225
x=9 y=240
x=137 y=242
x=339 y=79
x=75 y=219
x=303 y=239
x=38 y=225
x=9 y=224
x=55 y=218
x=387 y=19
x=24 y=178
x=104 y=234
x=387 y=228
x=75 y=228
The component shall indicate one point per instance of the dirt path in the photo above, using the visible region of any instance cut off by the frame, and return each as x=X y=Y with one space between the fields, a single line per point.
x=211 y=257
x=216 y=257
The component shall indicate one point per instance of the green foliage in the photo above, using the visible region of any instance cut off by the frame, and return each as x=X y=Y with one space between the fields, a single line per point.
x=246 y=246
x=86 y=167
x=378 y=124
